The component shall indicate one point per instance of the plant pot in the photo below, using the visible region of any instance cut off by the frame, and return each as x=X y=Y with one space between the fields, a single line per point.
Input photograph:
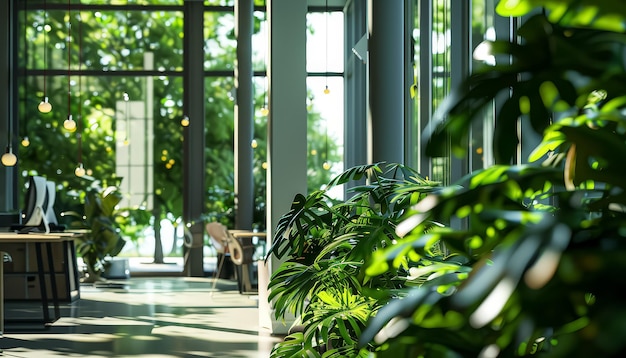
x=117 y=268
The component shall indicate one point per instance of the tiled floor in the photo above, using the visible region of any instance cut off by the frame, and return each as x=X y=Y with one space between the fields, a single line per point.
x=146 y=317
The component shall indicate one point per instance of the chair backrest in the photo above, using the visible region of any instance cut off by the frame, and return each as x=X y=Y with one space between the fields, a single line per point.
x=241 y=253
x=218 y=235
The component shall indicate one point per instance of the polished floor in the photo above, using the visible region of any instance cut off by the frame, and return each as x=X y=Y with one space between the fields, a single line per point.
x=145 y=317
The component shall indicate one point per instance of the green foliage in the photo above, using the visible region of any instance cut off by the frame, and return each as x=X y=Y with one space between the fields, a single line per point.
x=325 y=244
x=561 y=65
x=101 y=238
x=530 y=261
x=132 y=222
x=532 y=264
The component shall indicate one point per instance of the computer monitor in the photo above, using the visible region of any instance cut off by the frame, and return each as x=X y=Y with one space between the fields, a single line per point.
x=53 y=223
x=35 y=205
x=51 y=191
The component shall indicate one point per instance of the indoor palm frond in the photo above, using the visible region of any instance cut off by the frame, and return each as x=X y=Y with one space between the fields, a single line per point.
x=336 y=319
x=293 y=284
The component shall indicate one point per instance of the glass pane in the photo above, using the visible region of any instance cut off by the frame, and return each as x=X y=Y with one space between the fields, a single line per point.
x=481 y=151
x=220 y=49
x=259 y=145
x=104 y=40
x=260 y=42
x=325 y=131
x=219 y=148
x=220 y=2
x=440 y=169
x=325 y=49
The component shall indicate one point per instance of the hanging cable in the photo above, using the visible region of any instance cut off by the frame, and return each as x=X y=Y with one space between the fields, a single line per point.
x=69 y=123
x=25 y=140
x=326 y=14
x=45 y=106
x=80 y=169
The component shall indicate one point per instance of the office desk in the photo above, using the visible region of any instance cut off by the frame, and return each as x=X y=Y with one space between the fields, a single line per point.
x=245 y=237
x=41 y=240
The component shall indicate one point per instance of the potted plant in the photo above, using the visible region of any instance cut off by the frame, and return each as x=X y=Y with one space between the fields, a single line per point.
x=101 y=237
x=325 y=244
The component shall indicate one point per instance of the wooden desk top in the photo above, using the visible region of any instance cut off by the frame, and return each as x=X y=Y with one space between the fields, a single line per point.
x=247 y=233
x=37 y=236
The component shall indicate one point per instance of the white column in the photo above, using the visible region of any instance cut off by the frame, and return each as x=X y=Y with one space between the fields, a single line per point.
x=287 y=142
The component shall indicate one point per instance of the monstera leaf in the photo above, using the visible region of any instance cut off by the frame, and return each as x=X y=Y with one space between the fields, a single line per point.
x=551 y=71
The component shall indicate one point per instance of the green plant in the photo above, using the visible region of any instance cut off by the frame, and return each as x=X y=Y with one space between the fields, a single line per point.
x=532 y=262
x=101 y=238
x=325 y=243
x=542 y=247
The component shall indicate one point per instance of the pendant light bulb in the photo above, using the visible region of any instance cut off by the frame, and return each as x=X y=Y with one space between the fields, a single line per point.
x=326 y=90
x=185 y=121
x=69 y=124
x=326 y=166
x=265 y=111
x=25 y=142
x=80 y=170
x=44 y=106
x=9 y=159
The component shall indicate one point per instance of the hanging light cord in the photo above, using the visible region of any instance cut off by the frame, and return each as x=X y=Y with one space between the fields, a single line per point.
x=26 y=64
x=79 y=121
x=69 y=76
x=326 y=18
x=45 y=46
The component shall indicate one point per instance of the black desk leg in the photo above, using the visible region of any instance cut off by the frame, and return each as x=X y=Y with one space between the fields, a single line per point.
x=71 y=257
x=53 y=282
x=42 y=283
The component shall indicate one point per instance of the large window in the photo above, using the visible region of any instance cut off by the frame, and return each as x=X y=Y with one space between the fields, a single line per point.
x=118 y=67
x=96 y=66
